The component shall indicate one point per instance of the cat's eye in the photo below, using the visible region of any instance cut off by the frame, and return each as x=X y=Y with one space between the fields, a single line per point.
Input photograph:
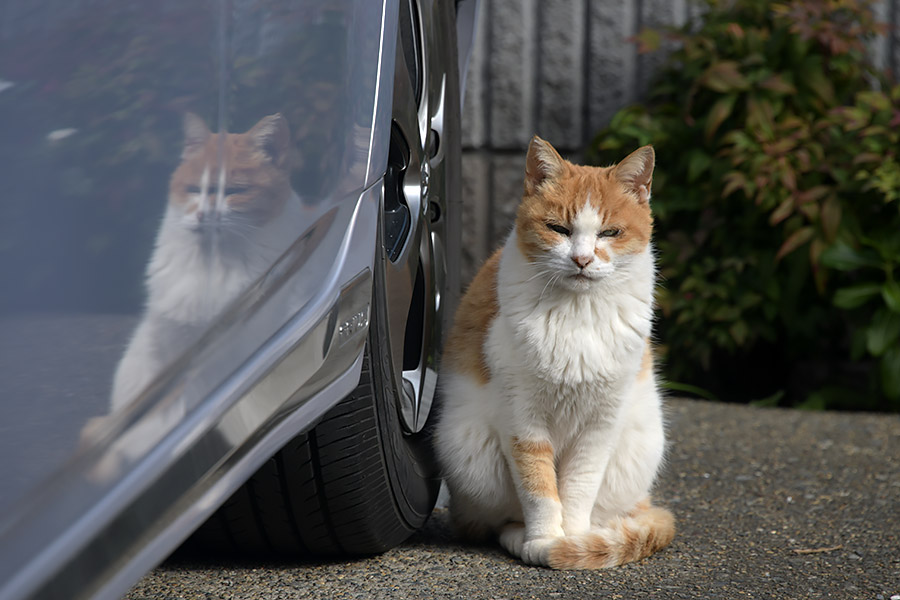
x=558 y=229
x=236 y=189
x=611 y=232
x=192 y=189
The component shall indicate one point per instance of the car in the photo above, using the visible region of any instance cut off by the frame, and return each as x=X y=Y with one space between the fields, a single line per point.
x=229 y=247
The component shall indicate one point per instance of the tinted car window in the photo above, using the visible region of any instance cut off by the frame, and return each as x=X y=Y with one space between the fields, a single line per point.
x=145 y=143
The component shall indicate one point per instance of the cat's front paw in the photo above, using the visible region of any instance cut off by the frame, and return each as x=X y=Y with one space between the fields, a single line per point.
x=532 y=552
x=512 y=538
x=537 y=552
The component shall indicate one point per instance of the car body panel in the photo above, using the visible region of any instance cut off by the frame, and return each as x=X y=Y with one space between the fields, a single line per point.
x=85 y=520
x=92 y=498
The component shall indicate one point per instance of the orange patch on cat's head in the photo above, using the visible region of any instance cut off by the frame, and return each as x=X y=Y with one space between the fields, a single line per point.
x=556 y=189
x=255 y=167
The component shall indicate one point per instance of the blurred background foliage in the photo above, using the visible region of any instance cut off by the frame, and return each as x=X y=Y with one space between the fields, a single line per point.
x=777 y=202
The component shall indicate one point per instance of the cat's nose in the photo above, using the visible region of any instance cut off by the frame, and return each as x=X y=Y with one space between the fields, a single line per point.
x=208 y=214
x=582 y=261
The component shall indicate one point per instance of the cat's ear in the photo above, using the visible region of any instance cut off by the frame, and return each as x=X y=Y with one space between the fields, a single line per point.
x=636 y=172
x=272 y=136
x=542 y=163
x=195 y=134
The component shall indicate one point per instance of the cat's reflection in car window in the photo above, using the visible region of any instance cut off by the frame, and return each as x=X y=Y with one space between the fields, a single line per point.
x=231 y=213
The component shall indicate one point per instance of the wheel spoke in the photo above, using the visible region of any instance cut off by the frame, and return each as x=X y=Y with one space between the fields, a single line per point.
x=414 y=209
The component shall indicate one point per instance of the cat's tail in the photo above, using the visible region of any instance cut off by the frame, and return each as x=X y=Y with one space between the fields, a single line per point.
x=625 y=539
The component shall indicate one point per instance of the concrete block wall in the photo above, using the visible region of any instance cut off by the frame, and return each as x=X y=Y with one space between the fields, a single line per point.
x=560 y=69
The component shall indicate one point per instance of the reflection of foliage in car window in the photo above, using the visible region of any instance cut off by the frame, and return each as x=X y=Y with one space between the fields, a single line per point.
x=117 y=82
x=120 y=78
x=287 y=72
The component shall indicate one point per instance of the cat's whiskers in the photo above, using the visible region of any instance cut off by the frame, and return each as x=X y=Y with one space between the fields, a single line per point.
x=546 y=272
x=250 y=238
x=550 y=283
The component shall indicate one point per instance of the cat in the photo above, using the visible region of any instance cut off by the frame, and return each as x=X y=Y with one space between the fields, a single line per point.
x=551 y=432
x=231 y=213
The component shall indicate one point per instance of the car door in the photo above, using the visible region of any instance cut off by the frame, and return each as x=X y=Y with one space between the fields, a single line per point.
x=186 y=222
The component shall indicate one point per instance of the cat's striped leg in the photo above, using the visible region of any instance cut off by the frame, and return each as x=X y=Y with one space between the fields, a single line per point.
x=532 y=466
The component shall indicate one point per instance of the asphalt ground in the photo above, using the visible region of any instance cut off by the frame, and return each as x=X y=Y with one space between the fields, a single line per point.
x=770 y=503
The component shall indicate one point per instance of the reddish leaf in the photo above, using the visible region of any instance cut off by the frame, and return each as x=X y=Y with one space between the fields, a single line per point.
x=796 y=239
x=812 y=194
x=724 y=76
x=734 y=181
x=789 y=178
x=720 y=111
x=777 y=84
x=761 y=117
x=784 y=210
x=810 y=211
x=867 y=157
x=736 y=30
x=780 y=146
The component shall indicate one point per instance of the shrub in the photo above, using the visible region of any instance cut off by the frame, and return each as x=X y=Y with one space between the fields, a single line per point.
x=778 y=204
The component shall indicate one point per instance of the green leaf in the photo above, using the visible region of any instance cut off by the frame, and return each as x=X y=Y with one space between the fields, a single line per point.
x=890 y=292
x=875 y=99
x=739 y=332
x=698 y=162
x=855 y=118
x=890 y=373
x=819 y=83
x=832 y=397
x=649 y=40
x=842 y=257
x=815 y=401
x=883 y=332
x=769 y=401
x=830 y=217
x=689 y=389
x=761 y=117
x=856 y=295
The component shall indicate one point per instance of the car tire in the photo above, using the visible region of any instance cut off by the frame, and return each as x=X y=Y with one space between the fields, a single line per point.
x=364 y=478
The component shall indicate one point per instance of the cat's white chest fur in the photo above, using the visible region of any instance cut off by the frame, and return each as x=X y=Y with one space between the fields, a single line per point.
x=575 y=339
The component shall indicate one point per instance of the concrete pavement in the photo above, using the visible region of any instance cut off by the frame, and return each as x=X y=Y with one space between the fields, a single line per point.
x=770 y=504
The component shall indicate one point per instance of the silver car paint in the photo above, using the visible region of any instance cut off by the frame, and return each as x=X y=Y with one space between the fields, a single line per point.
x=72 y=535
x=75 y=535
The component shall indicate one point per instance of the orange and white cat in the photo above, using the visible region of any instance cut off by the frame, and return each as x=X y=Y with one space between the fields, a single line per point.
x=231 y=214
x=551 y=433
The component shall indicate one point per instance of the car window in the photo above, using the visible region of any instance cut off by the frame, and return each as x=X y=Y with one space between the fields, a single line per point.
x=158 y=158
